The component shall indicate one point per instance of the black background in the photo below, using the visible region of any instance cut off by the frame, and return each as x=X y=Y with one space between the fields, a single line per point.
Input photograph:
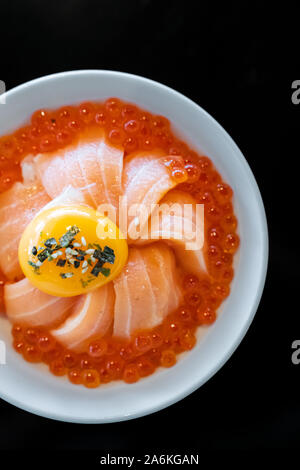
x=238 y=62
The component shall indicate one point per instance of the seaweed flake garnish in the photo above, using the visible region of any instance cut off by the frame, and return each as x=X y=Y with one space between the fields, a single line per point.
x=97 y=253
x=61 y=262
x=44 y=254
x=98 y=268
x=91 y=258
x=50 y=243
x=69 y=236
x=109 y=255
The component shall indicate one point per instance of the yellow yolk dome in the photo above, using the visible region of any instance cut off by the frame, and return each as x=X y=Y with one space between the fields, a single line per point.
x=69 y=250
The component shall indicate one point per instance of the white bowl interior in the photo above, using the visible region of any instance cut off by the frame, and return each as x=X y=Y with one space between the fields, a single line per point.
x=34 y=389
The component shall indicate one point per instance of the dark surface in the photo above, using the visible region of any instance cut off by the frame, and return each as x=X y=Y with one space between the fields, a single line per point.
x=238 y=63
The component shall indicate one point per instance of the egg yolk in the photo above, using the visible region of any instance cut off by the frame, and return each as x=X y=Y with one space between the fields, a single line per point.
x=71 y=250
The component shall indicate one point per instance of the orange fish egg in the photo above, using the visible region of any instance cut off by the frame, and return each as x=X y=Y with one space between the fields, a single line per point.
x=69 y=250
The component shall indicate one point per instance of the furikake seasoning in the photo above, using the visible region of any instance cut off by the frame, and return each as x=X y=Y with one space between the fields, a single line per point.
x=68 y=253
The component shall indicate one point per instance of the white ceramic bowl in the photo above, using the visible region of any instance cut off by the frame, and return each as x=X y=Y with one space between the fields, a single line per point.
x=32 y=387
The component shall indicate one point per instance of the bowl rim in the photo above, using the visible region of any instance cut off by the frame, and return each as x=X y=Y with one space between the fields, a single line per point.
x=261 y=278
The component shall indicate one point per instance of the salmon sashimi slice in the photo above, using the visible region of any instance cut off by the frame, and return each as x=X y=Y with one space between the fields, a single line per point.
x=158 y=256
x=26 y=304
x=146 y=290
x=69 y=195
x=146 y=179
x=91 y=164
x=18 y=206
x=92 y=316
x=180 y=222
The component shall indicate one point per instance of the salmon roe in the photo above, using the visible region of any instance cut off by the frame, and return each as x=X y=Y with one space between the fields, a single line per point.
x=126 y=125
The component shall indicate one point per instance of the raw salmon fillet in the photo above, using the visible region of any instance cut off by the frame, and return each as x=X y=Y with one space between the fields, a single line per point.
x=18 y=206
x=70 y=196
x=146 y=180
x=26 y=304
x=91 y=164
x=146 y=290
x=179 y=229
x=91 y=316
